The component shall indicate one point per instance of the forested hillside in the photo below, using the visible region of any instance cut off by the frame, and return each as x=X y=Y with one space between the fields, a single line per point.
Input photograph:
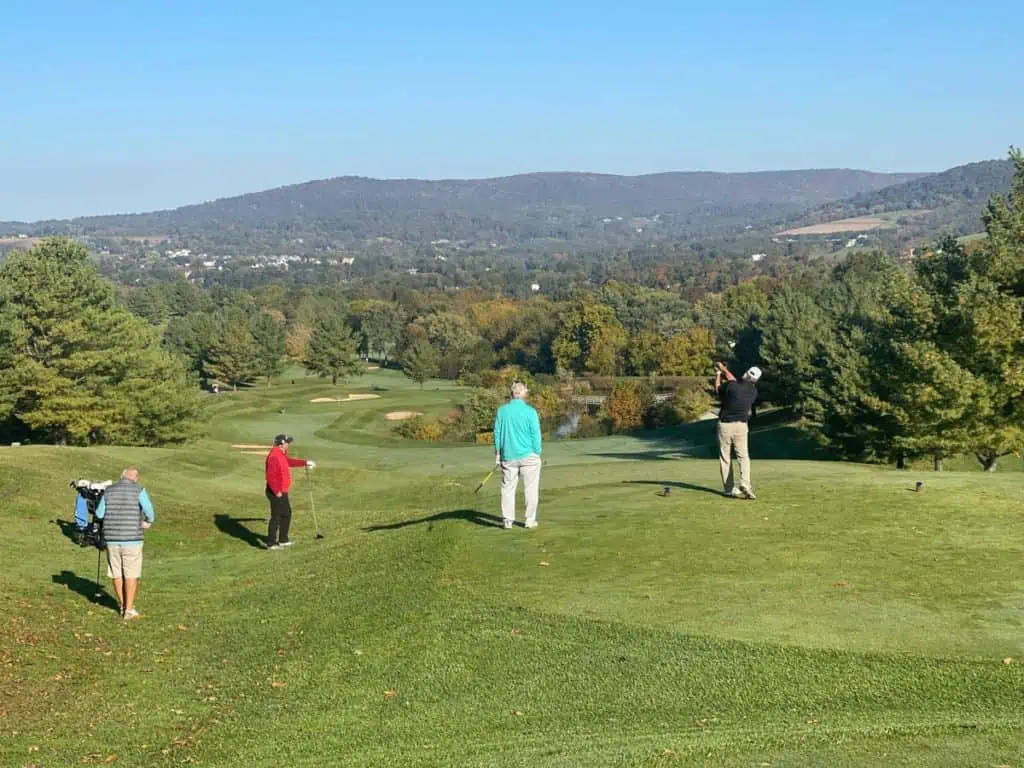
x=543 y=211
x=953 y=199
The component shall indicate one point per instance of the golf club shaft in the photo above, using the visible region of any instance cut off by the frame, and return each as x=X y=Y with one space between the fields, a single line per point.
x=484 y=481
x=312 y=504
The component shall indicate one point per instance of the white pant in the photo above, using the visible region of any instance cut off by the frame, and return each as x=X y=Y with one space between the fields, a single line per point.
x=529 y=468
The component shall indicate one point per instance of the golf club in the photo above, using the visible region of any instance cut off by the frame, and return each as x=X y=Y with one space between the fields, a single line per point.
x=99 y=588
x=482 y=482
x=312 y=506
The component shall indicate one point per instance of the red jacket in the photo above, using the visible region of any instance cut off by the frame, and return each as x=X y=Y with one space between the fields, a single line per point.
x=279 y=477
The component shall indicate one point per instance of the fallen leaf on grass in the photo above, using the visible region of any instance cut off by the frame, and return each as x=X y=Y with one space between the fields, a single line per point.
x=33 y=748
x=517 y=713
x=1008 y=660
x=390 y=693
x=516 y=632
x=543 y=564
x=278 y=684
x=667 y=753
x=182 y=628
x=841 y=584
x=110 y=758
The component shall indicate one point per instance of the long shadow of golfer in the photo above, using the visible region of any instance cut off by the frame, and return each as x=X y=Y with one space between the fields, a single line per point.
x=93 y=592
x=469 y=515
x=233 y=527
x=674 y=484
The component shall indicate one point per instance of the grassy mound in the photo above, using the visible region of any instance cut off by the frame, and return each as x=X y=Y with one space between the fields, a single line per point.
x=839 y=620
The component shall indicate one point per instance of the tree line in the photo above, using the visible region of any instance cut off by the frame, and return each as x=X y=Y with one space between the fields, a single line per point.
x=878 y=358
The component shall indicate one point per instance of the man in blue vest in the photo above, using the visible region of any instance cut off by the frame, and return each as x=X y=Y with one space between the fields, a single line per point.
x=517 y=446
x=126 y=512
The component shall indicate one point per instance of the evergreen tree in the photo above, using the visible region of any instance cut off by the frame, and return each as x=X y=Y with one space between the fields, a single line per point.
x=271 y=346
x=234 y=355
x=75 y=368
x=333 y=350
x=790 y=330
x=420 y=361
x=380 y=324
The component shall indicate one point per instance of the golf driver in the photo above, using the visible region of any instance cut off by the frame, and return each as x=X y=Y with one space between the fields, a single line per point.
x=482 y=482
x=312 y=506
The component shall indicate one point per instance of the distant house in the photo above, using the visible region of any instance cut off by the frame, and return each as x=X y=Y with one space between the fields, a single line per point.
x=535 y=287
x=852 y=242
x=348 y=261
x=757 y=256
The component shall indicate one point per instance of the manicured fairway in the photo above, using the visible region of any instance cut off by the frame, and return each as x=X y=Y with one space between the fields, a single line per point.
x=841 y=619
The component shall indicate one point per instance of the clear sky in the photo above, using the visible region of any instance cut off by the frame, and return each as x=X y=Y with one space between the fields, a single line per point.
x=142 y=104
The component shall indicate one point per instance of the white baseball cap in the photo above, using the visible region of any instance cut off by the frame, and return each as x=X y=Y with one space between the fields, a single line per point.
x=753 y=373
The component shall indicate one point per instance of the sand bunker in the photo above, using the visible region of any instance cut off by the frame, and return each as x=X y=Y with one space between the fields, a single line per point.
x=401 y=415
x=343 y=399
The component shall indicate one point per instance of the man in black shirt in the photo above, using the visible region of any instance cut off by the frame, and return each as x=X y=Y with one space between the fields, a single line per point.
x=737 y=399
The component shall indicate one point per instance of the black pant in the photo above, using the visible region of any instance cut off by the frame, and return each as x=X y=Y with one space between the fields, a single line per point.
x=280 y=518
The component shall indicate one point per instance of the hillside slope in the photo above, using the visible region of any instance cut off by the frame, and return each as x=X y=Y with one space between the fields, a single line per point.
x=561 y=206
x=949 y=201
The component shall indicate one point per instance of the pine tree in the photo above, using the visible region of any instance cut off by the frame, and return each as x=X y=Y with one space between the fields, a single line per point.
x=420 y=361
x=75 y=367
x=333 y=350
x=790 y=330
x=233 y=356
x=271 y=346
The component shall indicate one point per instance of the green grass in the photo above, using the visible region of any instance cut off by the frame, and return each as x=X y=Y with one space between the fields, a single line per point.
x=839 y=620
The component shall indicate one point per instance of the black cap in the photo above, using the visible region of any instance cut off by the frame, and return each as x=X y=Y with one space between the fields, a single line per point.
x=282 y=439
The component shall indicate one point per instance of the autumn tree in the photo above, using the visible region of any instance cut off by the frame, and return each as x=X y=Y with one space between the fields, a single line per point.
x=688 y=353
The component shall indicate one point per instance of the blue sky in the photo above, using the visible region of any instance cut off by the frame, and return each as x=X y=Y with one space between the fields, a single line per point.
x=128 y=106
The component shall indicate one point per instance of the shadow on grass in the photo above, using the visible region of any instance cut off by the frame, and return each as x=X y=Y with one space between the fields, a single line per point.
x=233 y=527
x=772 y=436
x=468 y=515
x=69 y=529
x=674 y=484
x=87 y=588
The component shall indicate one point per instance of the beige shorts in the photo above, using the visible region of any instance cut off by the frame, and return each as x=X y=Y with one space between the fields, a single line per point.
x=124 y=561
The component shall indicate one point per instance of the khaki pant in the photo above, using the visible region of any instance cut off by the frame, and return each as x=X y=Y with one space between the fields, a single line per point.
x=733 y=435
x=124 y=562
x=529 y=468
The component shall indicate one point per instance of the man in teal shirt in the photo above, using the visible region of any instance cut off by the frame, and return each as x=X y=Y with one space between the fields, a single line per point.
x=517 y=450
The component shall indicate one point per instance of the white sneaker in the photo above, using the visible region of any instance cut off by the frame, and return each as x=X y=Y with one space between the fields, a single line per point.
x=287 y=543
x=274 y=547
x=748 y=494
x=532 y=523
x=506 y=524
x=735 y=493
x=132 y=614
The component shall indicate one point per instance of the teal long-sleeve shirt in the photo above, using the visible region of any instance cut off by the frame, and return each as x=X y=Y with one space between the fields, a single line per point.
x=517 y=431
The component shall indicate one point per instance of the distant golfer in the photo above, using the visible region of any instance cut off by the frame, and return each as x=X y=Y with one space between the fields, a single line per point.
x=517 y=447
x=737 y=400
x=279 y=482
x=126 y=512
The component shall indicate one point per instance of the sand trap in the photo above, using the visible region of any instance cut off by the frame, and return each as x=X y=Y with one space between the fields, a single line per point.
x=264 y=447
x=401 y=415
x=343 y=399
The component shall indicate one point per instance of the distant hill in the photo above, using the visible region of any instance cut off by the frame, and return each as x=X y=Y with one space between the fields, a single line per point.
x=547 y=210
x=949 y=201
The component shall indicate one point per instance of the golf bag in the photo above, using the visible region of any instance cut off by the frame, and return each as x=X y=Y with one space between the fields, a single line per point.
x=89 y=530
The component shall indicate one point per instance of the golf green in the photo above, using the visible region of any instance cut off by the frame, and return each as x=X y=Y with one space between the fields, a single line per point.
x=840 y=619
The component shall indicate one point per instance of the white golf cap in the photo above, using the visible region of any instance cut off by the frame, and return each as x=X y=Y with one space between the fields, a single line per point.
x=753 y=373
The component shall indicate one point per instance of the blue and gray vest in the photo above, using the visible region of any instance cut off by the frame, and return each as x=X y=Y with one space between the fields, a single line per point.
x=122 y=518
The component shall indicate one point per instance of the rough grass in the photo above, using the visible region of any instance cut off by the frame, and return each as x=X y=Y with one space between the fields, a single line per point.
x=839 y=620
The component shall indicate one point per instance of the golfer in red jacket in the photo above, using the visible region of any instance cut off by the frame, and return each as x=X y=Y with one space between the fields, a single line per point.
x=279 y=482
